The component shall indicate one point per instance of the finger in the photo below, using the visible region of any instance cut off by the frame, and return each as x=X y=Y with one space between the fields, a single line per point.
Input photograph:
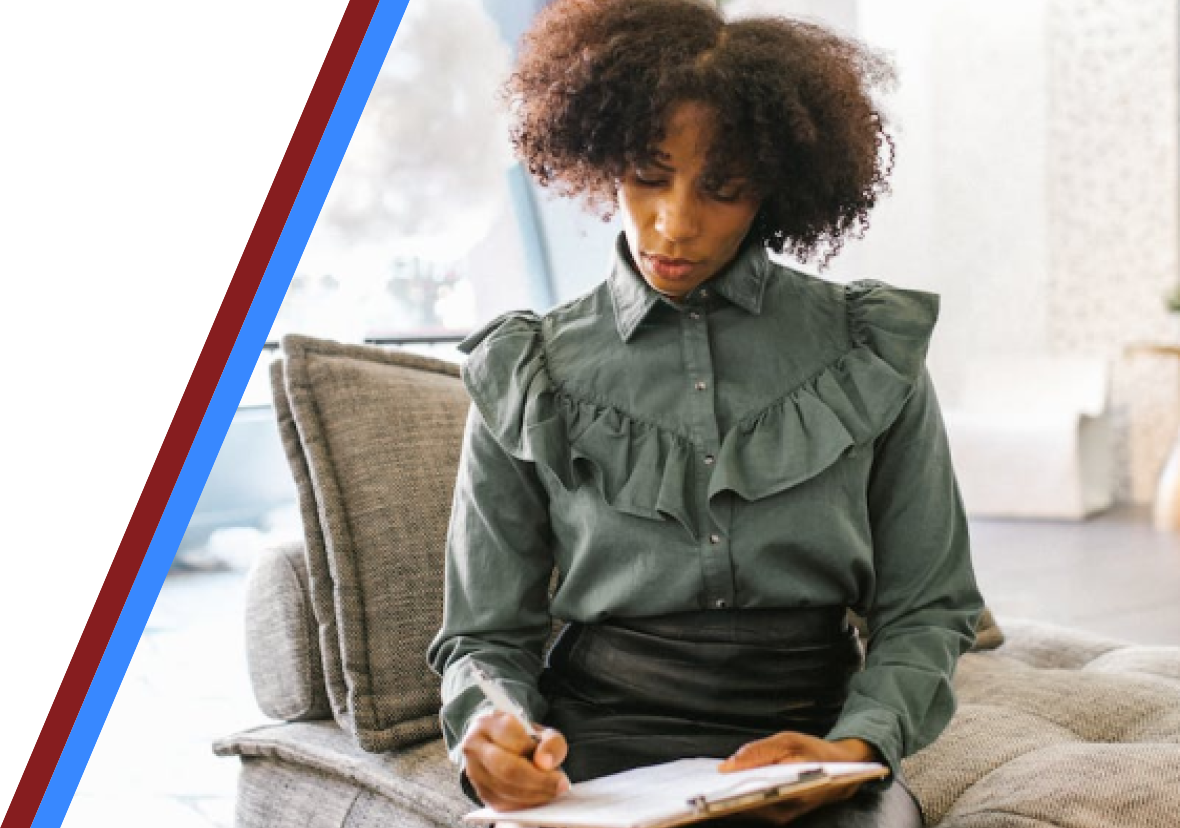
x=551 y=751
x=510 y=733
x=781 y=747
x=510 y=779
x=750 y=755
x=501 y=796
x=505 y=795
x=498 y=774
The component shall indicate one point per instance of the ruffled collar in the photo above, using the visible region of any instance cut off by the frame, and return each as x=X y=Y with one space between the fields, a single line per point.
x=742 y=283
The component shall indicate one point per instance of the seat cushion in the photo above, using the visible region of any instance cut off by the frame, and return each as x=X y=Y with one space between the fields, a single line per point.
x=1057 y=728
x=379 y=434
x=283 y=764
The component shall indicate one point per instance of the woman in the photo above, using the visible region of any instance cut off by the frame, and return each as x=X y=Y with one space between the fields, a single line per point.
x=717 y=455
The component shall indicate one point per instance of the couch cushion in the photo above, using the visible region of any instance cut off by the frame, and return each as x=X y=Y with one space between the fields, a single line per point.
x=380 y=432
x=1057 y=728
x=277 y=794
x=419 y=779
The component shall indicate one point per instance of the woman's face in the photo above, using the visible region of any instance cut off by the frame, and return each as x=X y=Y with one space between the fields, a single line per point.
x=682 y=229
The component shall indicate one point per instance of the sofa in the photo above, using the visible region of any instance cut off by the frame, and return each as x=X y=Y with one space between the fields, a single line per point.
x=1055 y=727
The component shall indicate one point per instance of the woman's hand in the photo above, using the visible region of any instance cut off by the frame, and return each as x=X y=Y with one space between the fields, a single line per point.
x=507 y=768
x=788 y=747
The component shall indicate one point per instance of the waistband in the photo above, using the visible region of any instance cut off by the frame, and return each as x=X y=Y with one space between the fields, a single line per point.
x=781 y=669
x=777 y=628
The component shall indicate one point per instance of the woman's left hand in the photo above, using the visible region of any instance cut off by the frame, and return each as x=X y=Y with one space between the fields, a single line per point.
x=787 y=748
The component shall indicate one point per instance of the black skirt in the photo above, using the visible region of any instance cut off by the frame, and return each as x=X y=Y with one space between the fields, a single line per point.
x=636 y=692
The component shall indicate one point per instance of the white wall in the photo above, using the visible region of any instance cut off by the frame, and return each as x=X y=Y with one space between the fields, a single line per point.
x=1036 y=191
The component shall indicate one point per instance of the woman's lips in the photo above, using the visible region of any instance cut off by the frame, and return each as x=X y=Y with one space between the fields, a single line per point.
x=667 y=268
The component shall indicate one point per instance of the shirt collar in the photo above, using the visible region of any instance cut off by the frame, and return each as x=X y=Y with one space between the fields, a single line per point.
x=742 y=283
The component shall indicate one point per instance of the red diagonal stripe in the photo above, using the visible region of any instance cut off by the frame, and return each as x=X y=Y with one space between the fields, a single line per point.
x=183 y=430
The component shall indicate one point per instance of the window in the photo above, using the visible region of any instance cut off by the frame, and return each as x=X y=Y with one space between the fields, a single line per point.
x=431 y=227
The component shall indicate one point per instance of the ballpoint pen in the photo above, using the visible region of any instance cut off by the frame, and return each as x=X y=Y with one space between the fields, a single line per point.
x=502 y=702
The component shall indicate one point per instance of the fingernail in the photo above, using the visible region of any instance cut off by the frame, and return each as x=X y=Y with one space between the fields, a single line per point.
x=564 y=786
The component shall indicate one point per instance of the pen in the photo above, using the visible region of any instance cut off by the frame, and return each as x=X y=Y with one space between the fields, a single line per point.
x=502 y=702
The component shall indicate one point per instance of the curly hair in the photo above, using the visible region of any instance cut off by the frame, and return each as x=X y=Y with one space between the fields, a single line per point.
x=595 y=81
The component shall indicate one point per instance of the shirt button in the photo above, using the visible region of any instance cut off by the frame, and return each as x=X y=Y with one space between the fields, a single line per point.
x=714 y=539
x=704 y=294
x=694 y=315
x=709 y=459
x=720 y=603
x=700 y=385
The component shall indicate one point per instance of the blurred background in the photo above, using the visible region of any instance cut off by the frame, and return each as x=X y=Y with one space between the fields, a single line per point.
x=1035 y=189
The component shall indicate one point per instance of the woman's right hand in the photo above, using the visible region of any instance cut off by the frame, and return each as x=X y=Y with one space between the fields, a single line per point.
x=507 y=768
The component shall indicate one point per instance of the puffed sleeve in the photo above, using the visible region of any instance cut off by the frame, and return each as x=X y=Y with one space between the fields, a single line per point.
x=498 y=552
x=926 y=603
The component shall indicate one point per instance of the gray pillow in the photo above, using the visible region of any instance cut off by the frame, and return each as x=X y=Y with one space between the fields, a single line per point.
x=320 y=581
x=379 y=433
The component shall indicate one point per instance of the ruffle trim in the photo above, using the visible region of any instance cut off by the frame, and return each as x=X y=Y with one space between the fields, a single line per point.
x=643 y=469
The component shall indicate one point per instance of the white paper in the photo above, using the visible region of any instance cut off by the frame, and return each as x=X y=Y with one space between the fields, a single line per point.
x=652 y=795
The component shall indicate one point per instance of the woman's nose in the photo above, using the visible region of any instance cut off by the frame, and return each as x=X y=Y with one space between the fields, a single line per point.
x=678 y=218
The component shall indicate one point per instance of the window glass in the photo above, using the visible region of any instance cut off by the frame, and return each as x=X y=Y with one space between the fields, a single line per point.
x=423 y=235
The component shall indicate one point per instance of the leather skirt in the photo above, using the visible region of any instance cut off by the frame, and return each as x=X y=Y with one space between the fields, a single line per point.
x=635 y=692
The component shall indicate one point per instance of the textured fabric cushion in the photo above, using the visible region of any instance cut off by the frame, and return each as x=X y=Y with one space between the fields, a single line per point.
x=277 y=794
x=420 y=780
x=380 y=433
x=282 y=645
x=1057 y=728
x=319 y=578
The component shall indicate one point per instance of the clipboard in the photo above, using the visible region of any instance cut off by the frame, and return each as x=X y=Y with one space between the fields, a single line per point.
x=683 y=792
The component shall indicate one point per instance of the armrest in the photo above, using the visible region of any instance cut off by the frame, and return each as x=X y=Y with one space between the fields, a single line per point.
x=282 y=642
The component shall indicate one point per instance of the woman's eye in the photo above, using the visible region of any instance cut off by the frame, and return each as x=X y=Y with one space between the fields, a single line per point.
x=725 y=190
x=726 y=194
x=647 y=181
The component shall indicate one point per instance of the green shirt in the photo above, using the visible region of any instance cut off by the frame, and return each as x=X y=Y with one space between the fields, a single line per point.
x=773 y=440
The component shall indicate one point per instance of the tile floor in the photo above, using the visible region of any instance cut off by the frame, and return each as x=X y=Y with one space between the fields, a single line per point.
x=187 y=683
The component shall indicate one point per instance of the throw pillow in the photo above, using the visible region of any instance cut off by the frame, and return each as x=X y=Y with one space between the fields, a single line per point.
x=380 y=433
